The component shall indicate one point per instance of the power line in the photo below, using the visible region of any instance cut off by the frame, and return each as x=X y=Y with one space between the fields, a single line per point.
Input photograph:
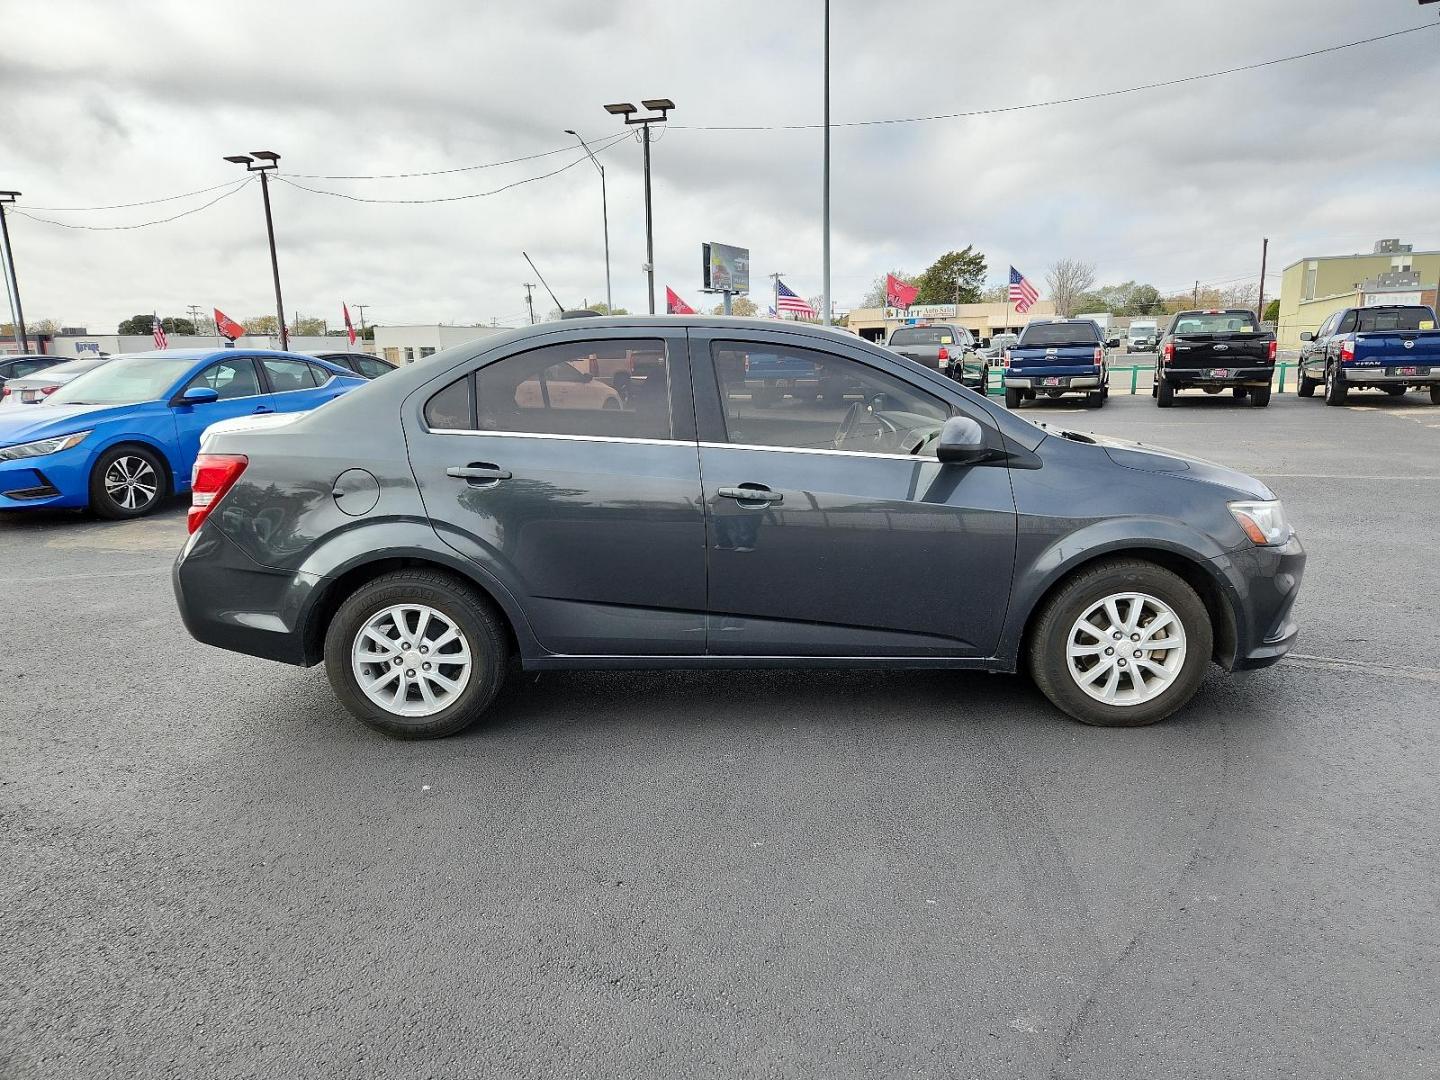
x=128 y=205
x=1062 y=101
x=141 y=225
x=456 y=198
x=432 y=172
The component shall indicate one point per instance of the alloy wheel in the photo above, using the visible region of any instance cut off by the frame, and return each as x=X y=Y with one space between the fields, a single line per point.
x=1126 y=649
x=131 y=482
x=411 y=660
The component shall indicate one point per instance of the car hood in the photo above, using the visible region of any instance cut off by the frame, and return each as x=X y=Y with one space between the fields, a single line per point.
x=20 y=425
x=1134 y=455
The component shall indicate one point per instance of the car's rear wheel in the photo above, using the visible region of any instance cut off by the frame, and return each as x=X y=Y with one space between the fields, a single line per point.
x=126 y=482
x=1435 y=395
x=1095 y=399
x=1307 y=386
x=416 y=654
x=1012 y=398
x=1164 y=394
x=1335 y=389
x=1239 y=393
x=1122 y=644
x=1260 y=397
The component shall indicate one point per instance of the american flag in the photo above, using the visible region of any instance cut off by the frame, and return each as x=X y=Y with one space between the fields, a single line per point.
x=161 y=341
x=786 y=300
x=1022 y=293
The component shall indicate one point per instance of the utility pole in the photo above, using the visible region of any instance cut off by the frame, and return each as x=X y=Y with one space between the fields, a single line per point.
x=825 y=202
x=1197 y=294
x=604 y=219
x=271 y=161
x=361 y=308
x=1264 y=258
x=11 y=281
x=194 y=310
x=775 y=277
x=662 y=106
x=529 y=301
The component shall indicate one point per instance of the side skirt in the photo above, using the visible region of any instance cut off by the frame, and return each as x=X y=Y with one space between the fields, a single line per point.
x=732 y=663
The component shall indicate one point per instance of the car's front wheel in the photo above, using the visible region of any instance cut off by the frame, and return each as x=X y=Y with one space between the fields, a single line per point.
x=126 y=482
x=1307 y=385
x=1121 y=644
x=416 y=654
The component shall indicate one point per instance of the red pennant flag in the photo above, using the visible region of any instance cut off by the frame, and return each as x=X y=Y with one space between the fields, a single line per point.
x=674 y=305
x=349 y=326
x=897 y=293
x=226 y=326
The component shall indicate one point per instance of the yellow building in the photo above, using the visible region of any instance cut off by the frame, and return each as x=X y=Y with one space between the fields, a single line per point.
x=983 y=320
x=1314 y=288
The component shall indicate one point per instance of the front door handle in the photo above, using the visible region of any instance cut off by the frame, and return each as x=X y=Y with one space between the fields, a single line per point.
x=263 y=409
x=478 y=470
x=751 y=493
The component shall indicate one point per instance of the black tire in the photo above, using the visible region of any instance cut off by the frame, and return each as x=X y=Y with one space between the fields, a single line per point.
x=1435 y=395
x=1307 y=386
x=1095 y=399
x=1164 y=394
x=1260 y=397
x=146 y=493
x=1048 y=662
x=1012 y=398
x=984 y=388
x=1394 y=391
x=471 y=613
x=1335 y=389
x=1239 y=393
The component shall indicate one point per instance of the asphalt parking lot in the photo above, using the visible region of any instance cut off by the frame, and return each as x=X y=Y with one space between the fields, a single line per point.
x=211 y=870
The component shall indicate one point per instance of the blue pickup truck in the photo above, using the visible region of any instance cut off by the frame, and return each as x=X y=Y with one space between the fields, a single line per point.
x=1055 y=357
x=1389 y=347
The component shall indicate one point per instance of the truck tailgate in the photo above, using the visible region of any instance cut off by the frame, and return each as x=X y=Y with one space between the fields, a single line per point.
x=1225 y=350
x=1397 y=348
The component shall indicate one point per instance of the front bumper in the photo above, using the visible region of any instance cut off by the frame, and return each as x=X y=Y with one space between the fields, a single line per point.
x=51 y=480
x=1263 y=583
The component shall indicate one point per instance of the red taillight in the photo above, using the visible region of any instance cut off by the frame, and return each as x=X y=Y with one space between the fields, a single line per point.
x=1347 y=350
x=4 y=392
x=213 y=476
x=48 y=390
x=1168 y=354
x=1099 y=355
x=943 y=354
x=1005 y=359
x=1274 y=350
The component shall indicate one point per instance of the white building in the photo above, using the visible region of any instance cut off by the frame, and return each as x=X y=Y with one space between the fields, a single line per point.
x=94 y=344
x=406 y=344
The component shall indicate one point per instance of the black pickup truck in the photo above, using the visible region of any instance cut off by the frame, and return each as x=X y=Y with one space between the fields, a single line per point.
x=1212 y=351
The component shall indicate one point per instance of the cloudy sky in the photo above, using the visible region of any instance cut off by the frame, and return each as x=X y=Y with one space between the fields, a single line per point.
x=104 y=103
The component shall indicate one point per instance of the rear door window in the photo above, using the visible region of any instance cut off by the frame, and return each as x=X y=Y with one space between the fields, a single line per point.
x=286 y=375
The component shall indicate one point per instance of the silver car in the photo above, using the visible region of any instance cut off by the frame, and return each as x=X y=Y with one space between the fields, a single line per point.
x=34 y=388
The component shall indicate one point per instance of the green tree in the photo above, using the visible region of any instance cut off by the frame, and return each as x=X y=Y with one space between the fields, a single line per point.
x=875 y=295
x=954 y=278
x=1272 y=312
x=309 y=326
x=260 y=324
x=142 y=324
x=604 y=309
x=998 y=293
x=739 y=305
x=136 y=324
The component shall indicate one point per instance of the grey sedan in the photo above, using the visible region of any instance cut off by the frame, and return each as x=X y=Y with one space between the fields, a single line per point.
x=420 y=534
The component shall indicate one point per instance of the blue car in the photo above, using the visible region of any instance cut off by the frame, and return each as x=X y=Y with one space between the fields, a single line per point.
x=120 y=438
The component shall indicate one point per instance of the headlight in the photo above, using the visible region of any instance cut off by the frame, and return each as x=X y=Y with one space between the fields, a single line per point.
x=1264 y=522
x=42 y=446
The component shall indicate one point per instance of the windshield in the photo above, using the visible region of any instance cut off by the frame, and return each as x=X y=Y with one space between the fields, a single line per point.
x=1396 y=318
x=1216 y=322
x=924 y=335
x=121 y=382
x=1081 y=332
x=1142 y=331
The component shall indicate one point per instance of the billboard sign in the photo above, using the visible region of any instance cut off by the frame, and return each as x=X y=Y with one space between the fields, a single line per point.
x=922 y=311
x=725 y=268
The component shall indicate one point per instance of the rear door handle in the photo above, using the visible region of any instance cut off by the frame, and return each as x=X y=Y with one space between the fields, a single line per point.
x=478 y=470
x=263 y=409
x=745 y=493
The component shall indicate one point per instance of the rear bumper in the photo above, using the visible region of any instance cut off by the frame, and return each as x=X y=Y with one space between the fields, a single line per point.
x=1263 y=584
x=1069 y=379
x=1380 y=376
x=228 y=600
x=1242 y=376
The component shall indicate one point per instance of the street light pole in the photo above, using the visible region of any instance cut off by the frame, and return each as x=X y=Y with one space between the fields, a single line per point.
x=604 y=218
x=267 y=162
x=11 y=281
x=825 y=207
x=662 y=106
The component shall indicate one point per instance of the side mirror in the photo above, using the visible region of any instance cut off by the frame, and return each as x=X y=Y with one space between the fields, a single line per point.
x=199 y=395
x=1307 y=336
x=961 y=442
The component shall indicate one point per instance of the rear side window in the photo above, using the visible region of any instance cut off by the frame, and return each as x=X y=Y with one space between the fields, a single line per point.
x=371 y=368
x=1083 y=332
x=923 y=335
x=616 y=388
x=1398 y=318
x=286 y=375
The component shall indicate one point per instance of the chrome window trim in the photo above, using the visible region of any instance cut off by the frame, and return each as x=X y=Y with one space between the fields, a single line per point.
x=561 y=438
x=813 y=450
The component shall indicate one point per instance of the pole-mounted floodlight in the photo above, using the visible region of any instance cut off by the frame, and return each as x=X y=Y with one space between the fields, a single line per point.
x=268 y=161
x=661 y=107
x=604 y=215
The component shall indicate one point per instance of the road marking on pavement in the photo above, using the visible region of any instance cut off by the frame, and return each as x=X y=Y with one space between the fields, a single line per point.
x=1336 y=663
